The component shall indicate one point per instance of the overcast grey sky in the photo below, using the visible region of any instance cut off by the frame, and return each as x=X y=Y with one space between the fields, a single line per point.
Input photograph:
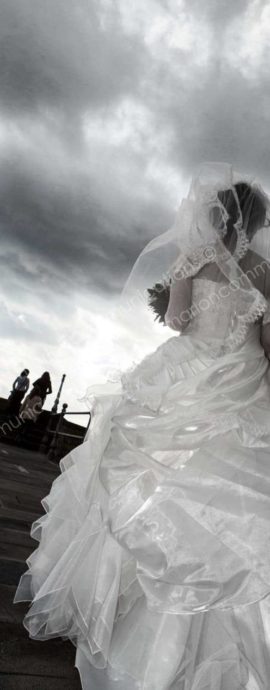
x=106 y=107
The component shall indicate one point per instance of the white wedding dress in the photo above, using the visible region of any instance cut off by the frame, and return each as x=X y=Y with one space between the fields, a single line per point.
x=154 y=555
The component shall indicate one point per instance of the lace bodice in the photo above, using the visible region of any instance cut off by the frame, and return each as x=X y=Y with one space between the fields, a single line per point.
x=212 y=310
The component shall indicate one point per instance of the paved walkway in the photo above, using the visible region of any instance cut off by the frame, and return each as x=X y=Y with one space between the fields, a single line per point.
x=25 y=478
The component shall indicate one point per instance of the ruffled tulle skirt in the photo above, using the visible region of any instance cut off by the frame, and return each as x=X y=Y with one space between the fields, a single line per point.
x=154 y=554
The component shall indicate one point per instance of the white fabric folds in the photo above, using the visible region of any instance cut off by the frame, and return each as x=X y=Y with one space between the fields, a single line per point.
x=154 y=554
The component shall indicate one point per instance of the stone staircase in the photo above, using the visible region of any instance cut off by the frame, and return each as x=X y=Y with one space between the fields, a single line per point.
x=25 y=478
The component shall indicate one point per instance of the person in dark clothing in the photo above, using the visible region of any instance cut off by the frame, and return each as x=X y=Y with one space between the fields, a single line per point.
x=44 y=385
x=32 y=405
x=19 y=388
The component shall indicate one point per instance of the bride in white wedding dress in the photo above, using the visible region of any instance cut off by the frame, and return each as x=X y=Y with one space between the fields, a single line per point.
x=154 y=555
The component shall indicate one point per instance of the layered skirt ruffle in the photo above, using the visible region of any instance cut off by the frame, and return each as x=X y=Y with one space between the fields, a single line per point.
x=154 y=555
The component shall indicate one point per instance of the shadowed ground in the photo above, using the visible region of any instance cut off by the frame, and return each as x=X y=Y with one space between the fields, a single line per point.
x=25 y=478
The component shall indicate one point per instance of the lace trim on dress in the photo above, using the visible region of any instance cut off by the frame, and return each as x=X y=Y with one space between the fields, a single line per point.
x=256 y=311
x=198 y=258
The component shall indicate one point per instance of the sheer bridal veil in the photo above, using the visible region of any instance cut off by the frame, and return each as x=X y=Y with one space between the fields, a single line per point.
x=215 y=225
x=222 y=215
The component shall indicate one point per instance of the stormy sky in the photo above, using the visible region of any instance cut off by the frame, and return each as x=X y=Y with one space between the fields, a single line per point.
x=106 y=108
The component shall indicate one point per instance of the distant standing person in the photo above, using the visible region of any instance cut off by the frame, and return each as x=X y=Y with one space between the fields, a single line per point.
x=31 y=406
x=19 y=388
x=44 y=385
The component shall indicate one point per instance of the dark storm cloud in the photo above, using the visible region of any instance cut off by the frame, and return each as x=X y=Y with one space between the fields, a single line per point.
x=71 y=239
x=60 y=61
x=220 y=115
x=218 y=107
x=63 y=55
x=57 y=61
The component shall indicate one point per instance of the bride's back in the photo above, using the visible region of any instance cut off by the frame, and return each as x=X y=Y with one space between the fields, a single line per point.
x=214 y=303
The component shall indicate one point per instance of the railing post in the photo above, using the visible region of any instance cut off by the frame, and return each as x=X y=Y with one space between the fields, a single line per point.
x=53 y=446
x=45 y=441
x=56 y=402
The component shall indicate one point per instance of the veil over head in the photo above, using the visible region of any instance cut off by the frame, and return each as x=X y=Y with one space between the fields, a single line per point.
x=214 y=225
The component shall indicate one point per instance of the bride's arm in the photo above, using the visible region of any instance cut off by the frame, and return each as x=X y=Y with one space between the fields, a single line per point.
x=178 y=313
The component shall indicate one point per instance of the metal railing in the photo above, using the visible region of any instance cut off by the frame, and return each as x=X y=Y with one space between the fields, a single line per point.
x=51 y=447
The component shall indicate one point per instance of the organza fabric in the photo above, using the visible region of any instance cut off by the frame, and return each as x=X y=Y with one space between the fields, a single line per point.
x=154 y=552
x=154 y=555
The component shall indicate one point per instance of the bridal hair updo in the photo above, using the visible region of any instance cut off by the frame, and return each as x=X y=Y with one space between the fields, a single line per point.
x=252 y=205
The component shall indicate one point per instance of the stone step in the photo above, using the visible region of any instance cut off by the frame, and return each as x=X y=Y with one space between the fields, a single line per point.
x=14 y=537
x=36 y=465
x=11 y=571
x=14 y=524
x=31 y=469
x=26 y=682
x=16 y=552
x=17 y=500
x=19 y=655
x=10 y=614
x=20 y=483
x=26 y=664
x=52 y=658
x=18 y=516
